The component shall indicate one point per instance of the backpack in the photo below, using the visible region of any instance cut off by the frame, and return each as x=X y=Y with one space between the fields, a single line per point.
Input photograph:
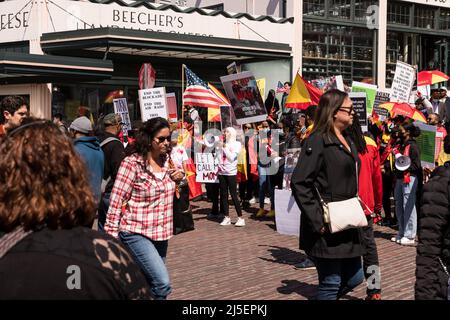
x=102 y=144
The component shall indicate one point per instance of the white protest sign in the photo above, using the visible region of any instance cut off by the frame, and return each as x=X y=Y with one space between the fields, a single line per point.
x=207 y=167
x=121 y=107
x=287 y=218
x=403 y=82
x=153 y=103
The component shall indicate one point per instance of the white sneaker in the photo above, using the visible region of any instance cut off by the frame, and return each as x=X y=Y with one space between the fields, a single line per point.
x=240 y=222
x=396 y=239
x=266 y=201
x=226 y=221
x=252 y=201
x=407 y=242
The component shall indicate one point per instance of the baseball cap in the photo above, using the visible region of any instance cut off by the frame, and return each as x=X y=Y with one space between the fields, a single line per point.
x=81 y=124
x=112 y=119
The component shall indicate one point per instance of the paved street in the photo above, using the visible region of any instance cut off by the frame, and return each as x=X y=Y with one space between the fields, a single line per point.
x=255 y=262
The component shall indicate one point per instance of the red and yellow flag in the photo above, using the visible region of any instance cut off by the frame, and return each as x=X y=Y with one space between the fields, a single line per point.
x=303 y=94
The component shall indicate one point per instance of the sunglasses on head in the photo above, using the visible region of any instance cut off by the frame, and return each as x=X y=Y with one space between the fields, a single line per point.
x=162 y=139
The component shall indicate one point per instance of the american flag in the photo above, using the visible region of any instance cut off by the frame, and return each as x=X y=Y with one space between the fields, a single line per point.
x=198 y=93
x=280 y=88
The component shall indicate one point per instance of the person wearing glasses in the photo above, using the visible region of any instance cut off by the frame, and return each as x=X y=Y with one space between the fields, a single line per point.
x=141 y=208
x=328 y=164
x=114 y=153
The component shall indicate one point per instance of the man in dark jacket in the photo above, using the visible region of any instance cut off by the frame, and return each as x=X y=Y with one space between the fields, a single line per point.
x=114 y=154
x=433 y=250
x=89 y=149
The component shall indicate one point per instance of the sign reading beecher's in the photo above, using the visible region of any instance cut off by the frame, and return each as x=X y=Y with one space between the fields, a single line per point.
x=403 y=82
x=380 y=98
x=153 y=103
x=207 y=167
x=359 y=100
x=121 y=107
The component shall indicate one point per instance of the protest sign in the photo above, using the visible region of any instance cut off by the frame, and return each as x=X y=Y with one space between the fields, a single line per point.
x=121 y=107
x=233 y=68
x=245 y=97
x=290 y=163
x=153 y=103
x=326 y=84
x=207 y=167
x=359 y=100
x=172 y=108
x=261 y=83
x=380 y=98
x=369 y=89
x=403 y=82
x=427 y=144
x=287 y=218
x=227 y=118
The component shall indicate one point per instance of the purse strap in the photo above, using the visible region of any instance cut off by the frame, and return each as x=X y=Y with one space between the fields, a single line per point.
x=9 y=240
x=444 y=267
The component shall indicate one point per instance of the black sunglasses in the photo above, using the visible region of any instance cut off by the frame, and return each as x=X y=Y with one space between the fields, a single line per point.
x=162 y=139
x=348 y=110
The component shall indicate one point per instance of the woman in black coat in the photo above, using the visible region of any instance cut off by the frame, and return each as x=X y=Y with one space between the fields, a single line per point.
x=434 y=235
x=328 y=162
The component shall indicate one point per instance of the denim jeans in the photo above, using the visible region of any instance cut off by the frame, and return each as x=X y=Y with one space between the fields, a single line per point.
x=103 y=210
x=337 y=277
x=150 y=256
x=405 y=208
x=265 y=184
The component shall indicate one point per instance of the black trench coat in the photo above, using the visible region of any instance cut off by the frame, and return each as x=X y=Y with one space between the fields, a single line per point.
x=327 y=164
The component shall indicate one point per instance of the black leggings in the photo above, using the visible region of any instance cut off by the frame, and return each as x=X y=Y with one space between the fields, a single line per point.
x=229 y=183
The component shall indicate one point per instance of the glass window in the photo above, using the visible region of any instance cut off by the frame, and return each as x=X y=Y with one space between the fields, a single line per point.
x=399 y=13
x=340 y=9
x=424 y=17
x=444 y=19
x=314 y=7
x=361 y=7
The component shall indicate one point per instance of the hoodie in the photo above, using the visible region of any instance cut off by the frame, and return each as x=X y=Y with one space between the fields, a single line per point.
x=91 y=153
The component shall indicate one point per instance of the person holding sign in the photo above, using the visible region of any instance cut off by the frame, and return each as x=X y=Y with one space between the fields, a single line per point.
x=141 y=209
x=327 y=165
x=228 y=160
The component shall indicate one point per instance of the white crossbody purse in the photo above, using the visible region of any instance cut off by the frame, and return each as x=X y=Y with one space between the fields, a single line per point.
x=343 y=215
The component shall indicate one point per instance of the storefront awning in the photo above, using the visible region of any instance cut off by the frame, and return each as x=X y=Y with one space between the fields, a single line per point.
x=162 y=44
x=33 y=68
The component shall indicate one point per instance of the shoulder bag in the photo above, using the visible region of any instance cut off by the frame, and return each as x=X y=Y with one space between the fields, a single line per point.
x=343 y=215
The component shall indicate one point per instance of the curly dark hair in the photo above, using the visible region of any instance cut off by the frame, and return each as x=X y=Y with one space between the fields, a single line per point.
x=43 y=180
x=145 y=135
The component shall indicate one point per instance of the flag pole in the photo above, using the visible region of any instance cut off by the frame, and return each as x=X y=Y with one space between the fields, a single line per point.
x=182 y=97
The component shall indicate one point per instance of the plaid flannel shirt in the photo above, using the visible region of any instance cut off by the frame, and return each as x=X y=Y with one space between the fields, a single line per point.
x=141 y=202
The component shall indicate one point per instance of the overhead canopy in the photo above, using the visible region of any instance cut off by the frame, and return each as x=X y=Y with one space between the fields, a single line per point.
x=162 y=44
x=28 y=68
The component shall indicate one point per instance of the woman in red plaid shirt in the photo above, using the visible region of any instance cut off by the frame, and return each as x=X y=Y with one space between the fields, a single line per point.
x=140 y=213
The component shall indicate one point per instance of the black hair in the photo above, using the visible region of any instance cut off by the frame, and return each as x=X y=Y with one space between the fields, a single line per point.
x=447 y=144
x=12 y=104
x=145 y=135
x=356 y=134
x=287 y=83
x=414 y=131
x=311 y=111
x=58 y=116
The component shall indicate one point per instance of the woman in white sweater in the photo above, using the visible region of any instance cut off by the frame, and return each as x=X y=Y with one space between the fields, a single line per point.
x=228 y=160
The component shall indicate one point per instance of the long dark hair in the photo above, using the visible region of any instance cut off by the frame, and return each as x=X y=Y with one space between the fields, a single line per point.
x=145 y=135
x=329 y=104
x=356 y=134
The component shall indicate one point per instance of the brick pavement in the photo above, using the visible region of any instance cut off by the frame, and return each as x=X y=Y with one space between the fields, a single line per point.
x=256 y=263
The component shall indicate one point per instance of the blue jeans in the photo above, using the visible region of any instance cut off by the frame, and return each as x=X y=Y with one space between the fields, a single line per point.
x=265 y=184
x=337 y=277
x=405 y=208
x=150 y=256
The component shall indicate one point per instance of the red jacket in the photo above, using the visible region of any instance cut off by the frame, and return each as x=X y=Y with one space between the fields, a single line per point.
x=370 y=181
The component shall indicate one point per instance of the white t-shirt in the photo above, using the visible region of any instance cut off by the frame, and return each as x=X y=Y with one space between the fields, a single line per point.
x=228 y=159
x=179 y=155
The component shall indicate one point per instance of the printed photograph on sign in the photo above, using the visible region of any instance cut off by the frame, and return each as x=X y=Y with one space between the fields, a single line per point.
x=327 y=83
x=245 y=97
x=227 y=118
x=290 y=163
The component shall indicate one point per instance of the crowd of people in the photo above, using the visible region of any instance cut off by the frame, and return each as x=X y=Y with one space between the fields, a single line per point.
x=59 y=180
